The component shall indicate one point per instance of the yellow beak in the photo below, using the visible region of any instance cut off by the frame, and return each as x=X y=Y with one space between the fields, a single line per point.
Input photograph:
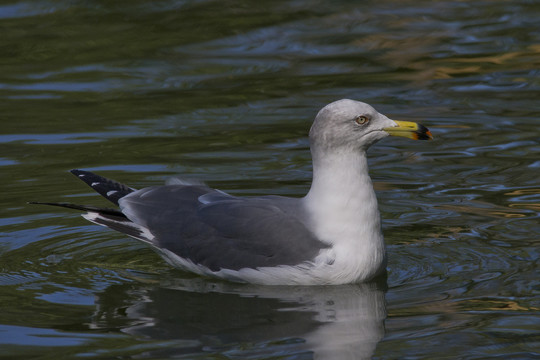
x=409 y=130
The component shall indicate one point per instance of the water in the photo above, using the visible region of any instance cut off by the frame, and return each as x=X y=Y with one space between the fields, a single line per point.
x=225 y=92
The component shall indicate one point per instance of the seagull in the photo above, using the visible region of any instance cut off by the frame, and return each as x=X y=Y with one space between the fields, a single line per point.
x=330 y=236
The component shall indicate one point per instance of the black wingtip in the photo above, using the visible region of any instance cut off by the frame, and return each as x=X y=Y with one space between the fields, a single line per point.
x=78 y=172
x=89 y=208
x=109 y=189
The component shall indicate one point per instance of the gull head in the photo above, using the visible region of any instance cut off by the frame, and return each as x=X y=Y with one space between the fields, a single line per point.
x=354 y=125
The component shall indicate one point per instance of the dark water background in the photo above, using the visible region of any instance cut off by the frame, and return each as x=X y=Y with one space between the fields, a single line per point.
x=225 y=91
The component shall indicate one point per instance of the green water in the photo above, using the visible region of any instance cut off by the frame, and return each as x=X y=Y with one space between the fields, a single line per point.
x=225 y=92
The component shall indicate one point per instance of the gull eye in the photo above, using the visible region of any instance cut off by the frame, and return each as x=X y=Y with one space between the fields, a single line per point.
x=361 y=119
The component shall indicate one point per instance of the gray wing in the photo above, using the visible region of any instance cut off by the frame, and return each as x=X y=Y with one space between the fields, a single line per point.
x=220 y=231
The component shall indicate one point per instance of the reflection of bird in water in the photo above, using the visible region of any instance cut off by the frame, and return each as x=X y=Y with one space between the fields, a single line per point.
x=330 y=236
x=194 y=316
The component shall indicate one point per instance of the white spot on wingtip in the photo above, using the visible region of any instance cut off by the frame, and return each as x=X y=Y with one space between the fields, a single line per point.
x=90 y=216
x=95 y=183
x=112 y=192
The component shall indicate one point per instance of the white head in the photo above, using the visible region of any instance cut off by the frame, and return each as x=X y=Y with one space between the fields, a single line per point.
x=354 y=125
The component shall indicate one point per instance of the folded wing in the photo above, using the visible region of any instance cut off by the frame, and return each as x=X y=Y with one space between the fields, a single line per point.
x=219 y=231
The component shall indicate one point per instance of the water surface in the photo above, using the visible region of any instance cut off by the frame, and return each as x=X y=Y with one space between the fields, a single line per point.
x=225 y=92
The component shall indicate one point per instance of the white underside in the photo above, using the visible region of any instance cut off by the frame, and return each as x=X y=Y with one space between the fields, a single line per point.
x=318 y=272
x=328 y=268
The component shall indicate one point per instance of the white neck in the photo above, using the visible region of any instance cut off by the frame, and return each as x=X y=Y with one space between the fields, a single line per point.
x=340 y=177
x=343 y=208
x=341 y=198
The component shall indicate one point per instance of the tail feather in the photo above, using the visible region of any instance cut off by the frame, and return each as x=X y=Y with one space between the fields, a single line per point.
x=120 y=224
x=109 y=189
x=89 y=208
x=111 y=218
